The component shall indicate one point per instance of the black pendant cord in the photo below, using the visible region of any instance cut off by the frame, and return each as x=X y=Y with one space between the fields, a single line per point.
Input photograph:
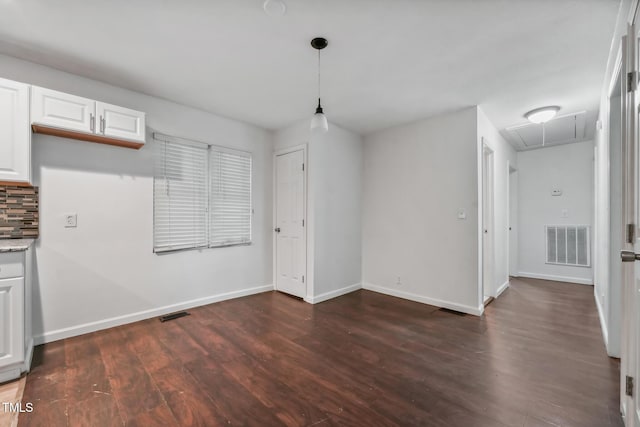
x=319 y=43
x=319 y=109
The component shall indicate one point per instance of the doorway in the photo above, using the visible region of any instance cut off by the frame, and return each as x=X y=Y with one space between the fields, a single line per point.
x=512 y=205
x=290 y=252
x=488 y=197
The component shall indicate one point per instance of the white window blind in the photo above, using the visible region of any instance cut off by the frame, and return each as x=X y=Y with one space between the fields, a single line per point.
x=180 y=195
x=230 y=197
x=202 y=195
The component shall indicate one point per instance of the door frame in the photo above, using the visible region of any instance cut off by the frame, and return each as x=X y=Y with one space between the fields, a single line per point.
x=511 y=212
x=487 y=151
x=307 y=226
x=612 y=260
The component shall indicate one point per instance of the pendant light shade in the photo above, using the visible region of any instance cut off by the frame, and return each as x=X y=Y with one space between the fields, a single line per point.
x=319 y=122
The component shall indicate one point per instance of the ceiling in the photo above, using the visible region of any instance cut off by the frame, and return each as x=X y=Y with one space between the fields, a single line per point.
x=563 y=129
x=388 y=62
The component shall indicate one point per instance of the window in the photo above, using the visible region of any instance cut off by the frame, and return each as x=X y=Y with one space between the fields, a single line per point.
x=230 y=201
x=202 y=195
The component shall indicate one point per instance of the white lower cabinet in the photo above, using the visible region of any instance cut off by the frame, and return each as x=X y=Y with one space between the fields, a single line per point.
x=16 y=343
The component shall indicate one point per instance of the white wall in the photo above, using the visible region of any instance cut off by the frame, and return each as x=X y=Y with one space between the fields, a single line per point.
x=504 y=157
x=104 y=272
x=566 y=167
x=416 y=179
x=334 y=208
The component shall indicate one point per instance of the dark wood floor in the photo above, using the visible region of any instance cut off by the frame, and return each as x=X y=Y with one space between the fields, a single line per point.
x=535 y=359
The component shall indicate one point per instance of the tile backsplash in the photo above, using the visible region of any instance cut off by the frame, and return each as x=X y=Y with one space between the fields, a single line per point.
x=19 y=217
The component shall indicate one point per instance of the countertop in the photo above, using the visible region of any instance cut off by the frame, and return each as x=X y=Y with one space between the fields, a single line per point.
x=15 y=245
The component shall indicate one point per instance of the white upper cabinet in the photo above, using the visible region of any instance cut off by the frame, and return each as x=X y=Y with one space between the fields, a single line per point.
x=61 y=110
x=60 y=114
x=15 y=135
x=120 y=122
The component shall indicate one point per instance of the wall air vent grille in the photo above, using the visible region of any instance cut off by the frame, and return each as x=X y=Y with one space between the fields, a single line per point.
x=568 y=245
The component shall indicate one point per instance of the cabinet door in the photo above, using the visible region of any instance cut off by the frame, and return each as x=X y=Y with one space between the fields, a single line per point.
x=15 y=135
x=11 y=321
x=120 y=122
x=61 y=110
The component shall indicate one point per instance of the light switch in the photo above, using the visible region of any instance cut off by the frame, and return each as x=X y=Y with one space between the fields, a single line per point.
x=462 y=215
x=564 y=213
x=71 y=220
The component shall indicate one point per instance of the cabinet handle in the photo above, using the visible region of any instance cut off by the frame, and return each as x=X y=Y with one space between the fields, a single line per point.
x=92 y=122
x=102 y=124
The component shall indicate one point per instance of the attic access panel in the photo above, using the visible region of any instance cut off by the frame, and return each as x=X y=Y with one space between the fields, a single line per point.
x=561 y=130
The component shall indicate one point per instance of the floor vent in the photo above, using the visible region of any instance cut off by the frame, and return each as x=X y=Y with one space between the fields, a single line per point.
x=172 y=316
x=457 y=313
x=568 y=245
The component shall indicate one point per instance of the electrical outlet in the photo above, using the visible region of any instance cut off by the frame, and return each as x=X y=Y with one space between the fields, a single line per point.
x=399 y=282
x=71 y=220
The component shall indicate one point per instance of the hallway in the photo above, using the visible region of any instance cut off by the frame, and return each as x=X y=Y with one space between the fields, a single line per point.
x=535 y=359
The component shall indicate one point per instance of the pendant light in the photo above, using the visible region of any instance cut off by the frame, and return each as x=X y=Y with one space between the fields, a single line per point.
x=319 y=121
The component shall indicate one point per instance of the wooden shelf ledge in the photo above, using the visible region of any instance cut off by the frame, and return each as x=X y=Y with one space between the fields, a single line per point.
x=86 y=137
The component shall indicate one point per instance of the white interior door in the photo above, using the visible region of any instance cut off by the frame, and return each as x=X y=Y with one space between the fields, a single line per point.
x=291 y=247
x=488 y=256
x=634 y=213
x=630 y=363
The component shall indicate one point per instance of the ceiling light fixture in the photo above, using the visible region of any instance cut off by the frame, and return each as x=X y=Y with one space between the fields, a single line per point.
x=542 y=115
x=319 y=121
x=274 y=7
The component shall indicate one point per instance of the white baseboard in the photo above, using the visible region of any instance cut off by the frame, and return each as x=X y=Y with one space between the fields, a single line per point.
x=567 y=279
x=333 y=294
x=86 y=328
x=502 y=288
x=477 y=311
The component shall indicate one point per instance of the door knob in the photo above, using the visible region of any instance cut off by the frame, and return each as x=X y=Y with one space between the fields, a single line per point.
x=629 y=256
x=277 y=229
